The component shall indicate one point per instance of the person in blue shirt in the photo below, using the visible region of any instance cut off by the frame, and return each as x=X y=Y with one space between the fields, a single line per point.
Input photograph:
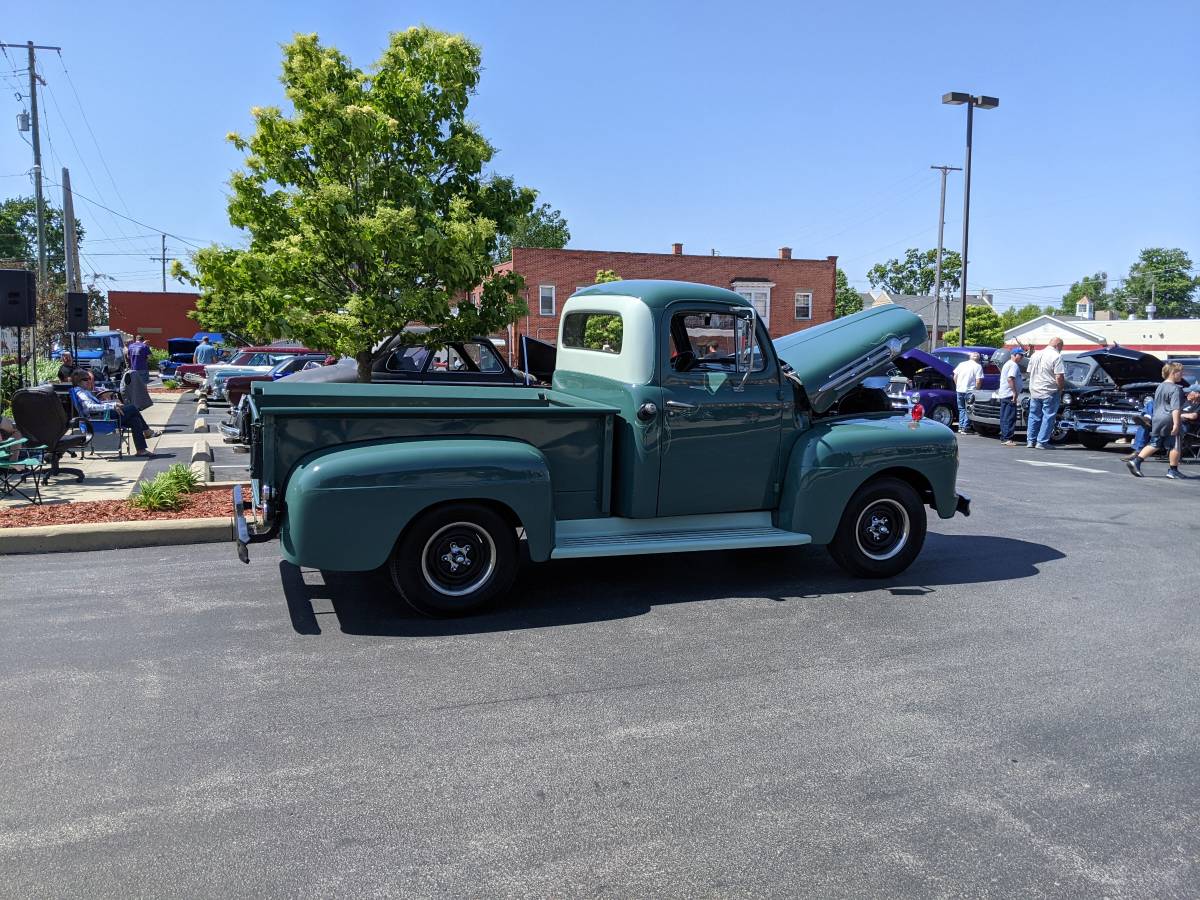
x=205 y=353
x=127 y=416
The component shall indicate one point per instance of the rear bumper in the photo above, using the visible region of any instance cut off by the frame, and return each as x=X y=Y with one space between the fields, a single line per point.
x=245 y=532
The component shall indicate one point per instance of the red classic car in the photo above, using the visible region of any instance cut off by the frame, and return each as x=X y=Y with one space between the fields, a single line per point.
x=238 y=386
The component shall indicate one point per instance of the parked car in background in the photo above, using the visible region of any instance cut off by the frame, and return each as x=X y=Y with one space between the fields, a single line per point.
x=925 y=379
x=237 y=386
x=259 y=363
x=180 y=351
x=983 y=408
x=1106 y=392
x=396 y=361
x=102 y=351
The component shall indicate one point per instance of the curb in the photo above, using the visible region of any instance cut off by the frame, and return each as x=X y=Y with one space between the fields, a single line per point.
x=201 y=451
x=200 y=426
x=113 y=535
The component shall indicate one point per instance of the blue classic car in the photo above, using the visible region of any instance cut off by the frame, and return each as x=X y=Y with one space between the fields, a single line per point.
x=182 y=349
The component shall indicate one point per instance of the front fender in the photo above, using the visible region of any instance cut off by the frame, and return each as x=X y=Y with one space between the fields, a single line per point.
x=345 y=507
x=830 y=461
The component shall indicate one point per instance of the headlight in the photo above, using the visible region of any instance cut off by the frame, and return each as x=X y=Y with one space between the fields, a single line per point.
x=1066 y=399
x=915 y=396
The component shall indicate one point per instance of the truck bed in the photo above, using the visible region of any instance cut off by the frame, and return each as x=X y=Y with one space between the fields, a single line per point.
x=575 y=435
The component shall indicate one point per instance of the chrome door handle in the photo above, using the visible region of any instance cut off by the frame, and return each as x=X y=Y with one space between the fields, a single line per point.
x=676 y=406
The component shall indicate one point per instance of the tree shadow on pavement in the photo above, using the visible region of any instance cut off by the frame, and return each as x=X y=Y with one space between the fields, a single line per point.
x=569 y=592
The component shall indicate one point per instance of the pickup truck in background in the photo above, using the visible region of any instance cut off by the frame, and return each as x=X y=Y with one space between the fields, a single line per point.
x=673 y=424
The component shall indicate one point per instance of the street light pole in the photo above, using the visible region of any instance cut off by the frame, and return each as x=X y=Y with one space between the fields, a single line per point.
x=957 y=98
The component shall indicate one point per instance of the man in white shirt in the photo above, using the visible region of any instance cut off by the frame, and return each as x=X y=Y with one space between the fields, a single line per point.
x=1047 y=378
x=968 y=377
x=1009 y=395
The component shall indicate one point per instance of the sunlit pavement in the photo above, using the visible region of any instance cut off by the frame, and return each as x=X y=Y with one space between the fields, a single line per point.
x=1015 y=716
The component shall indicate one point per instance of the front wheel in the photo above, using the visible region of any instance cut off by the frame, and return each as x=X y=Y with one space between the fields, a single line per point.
x=943 y=415
x=882 y=530
x=454 y=560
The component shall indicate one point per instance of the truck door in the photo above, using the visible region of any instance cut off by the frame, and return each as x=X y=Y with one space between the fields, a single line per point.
x=722 y=412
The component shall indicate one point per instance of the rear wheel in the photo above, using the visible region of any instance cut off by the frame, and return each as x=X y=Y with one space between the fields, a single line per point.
x=1094 y=441
x=882 y=530
x=454 y=560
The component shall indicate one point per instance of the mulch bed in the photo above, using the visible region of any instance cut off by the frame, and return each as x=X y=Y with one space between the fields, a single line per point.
x=163 y=390
x=201 y=505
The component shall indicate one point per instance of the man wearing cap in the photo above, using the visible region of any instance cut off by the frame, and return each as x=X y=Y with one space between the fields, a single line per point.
x=1009 y=395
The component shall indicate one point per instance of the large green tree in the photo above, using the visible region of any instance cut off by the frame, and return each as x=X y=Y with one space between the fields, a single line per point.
x=915 y=272
x=18 y=245
x=1164 y=274
x=984 y=328
x=1015 y=316
x=846 y=300
x=366 y=205
x=541 y=227
x=1094 y=287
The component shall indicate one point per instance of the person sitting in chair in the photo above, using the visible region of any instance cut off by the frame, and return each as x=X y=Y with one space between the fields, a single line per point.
x=68 y=366
x=127 y=416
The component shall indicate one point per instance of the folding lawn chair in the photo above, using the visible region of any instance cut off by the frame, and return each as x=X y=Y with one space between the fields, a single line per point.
x=15 y=469
x=107 y=433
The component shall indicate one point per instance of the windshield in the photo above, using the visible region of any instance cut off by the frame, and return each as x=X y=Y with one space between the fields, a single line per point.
x=1076 y=372
x=89 y=343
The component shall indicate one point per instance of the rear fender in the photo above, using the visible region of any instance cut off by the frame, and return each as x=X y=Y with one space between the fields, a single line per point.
x=834 y=459
x=345 y=507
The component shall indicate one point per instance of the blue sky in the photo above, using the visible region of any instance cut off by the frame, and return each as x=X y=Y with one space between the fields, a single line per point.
x=735 y=127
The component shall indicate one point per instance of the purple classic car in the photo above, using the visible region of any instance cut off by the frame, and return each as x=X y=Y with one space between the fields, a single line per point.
x=925 y=379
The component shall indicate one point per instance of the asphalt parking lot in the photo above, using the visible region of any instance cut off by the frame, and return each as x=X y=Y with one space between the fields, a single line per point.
x=1014 y=716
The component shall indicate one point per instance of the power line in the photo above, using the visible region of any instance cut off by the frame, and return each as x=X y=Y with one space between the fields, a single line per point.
x=130 y=218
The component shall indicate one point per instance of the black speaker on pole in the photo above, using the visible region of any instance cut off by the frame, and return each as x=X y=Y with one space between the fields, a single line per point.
x=18 y=298
x=77 y=311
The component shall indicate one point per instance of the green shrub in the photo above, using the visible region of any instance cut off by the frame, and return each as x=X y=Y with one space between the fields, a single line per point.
x=170 y=383
x=157 y=495
x=157 y=357
x=184 y=480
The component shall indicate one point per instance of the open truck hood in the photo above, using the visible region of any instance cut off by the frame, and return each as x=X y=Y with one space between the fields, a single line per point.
x=1126 y=366
x=831 y=360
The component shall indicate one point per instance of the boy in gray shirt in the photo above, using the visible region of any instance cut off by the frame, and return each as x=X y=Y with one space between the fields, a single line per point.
x=1167 y=425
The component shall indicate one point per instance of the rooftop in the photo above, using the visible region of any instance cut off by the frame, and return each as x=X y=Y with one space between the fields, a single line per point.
x=657 y=294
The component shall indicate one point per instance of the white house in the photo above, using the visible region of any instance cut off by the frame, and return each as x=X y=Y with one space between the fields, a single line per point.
x=1162 y=337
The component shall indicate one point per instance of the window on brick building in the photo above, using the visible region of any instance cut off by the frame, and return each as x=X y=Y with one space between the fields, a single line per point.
x=759 y=295
x=803 y=304
x=546 y=300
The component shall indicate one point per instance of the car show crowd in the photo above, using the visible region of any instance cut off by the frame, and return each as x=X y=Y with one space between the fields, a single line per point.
x=1095 y=398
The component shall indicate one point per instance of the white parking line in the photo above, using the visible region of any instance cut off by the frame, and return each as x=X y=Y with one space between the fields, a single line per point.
x=1039 y=462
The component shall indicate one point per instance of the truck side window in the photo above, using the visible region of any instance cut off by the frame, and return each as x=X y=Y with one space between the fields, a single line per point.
x=706 y=342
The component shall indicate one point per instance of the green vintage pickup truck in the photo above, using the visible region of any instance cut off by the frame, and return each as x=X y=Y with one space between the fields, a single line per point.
x=673 y=424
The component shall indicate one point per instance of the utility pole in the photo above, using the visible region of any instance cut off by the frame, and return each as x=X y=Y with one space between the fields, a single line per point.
x=31 y=47
x=70 y=240
x=937 y=276
x=162 y=257
x=70 y=245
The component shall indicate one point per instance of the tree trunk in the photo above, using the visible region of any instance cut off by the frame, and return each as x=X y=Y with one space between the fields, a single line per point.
x=363 y=357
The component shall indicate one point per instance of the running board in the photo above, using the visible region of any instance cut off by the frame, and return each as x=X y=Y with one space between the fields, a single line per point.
x=631 y=537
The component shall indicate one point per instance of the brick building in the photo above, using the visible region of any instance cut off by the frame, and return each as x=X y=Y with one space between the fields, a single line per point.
x=157 y=315
x=790 y=294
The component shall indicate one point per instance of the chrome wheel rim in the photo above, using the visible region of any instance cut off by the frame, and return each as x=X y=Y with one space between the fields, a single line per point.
x=458 y=559
x=943 y=415
x=882 y=529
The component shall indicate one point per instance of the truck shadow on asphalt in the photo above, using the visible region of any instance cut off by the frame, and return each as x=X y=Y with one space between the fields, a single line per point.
x=571 y=592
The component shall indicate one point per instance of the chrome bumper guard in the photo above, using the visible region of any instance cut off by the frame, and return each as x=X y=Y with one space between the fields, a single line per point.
x=962 y=504
x=245 y=533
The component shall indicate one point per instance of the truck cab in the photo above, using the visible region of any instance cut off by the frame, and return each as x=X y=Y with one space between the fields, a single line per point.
x=673 y=424
x=102 y=351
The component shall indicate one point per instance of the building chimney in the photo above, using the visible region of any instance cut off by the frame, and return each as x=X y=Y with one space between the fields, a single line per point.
x=677 y=249
x=785 y=252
